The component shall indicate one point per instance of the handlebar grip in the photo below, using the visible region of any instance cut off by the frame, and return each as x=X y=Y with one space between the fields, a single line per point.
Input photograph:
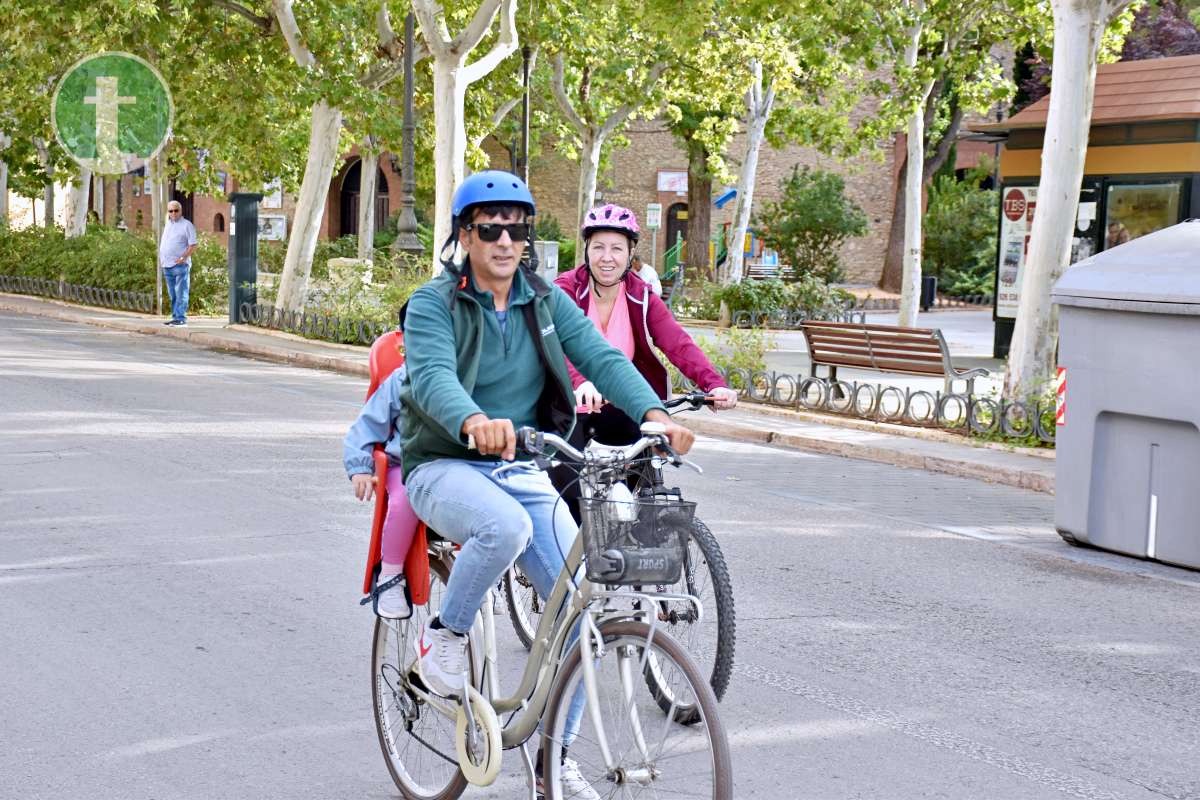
x=529 y=440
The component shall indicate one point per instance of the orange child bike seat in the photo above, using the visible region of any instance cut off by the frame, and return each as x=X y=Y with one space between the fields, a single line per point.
x=387 y=355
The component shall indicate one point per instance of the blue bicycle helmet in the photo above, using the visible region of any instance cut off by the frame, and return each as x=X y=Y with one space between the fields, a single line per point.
x=491 y=187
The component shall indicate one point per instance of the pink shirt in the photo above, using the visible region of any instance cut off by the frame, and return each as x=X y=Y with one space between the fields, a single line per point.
x=619 y=332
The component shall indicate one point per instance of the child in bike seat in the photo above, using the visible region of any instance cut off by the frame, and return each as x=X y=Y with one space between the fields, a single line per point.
x=379 y=423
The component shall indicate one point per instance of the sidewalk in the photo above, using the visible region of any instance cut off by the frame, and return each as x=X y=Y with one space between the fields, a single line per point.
x=918 y=448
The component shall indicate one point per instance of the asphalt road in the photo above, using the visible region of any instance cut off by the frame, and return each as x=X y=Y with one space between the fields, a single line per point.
x=180 y=560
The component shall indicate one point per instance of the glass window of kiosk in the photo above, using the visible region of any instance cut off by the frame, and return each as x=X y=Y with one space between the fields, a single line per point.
x=1135 y=209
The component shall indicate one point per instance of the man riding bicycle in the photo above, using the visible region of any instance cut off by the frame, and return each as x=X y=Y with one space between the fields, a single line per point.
x=486 y=346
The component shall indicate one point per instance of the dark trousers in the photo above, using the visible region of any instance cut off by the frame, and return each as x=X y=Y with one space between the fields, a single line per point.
x=610 y=425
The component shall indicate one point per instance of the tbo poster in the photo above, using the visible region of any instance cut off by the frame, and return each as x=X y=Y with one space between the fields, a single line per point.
x=1016 y=221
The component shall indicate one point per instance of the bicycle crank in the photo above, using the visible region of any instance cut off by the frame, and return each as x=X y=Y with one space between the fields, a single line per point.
x=477 y=740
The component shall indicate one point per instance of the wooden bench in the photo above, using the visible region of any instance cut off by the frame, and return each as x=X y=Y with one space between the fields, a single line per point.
x=761 y=272
x=885 y=348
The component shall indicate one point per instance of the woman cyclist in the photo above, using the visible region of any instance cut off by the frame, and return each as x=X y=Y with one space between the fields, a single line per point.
x=633 y=319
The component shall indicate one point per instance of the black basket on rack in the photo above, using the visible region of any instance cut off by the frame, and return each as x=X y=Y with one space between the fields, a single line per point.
x=636 y=541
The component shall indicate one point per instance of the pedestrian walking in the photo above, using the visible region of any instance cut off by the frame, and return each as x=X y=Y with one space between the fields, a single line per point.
x=175 y=260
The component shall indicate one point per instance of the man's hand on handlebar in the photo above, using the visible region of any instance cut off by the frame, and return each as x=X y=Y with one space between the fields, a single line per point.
x=679 y=437
x=491 y=437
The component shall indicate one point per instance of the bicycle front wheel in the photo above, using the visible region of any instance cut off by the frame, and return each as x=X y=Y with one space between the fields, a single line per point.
x=710 y=640
x=626 y=745
x=418 y=742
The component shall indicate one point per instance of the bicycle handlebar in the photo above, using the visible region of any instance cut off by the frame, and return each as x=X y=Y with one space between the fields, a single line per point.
x=694 y=400
x=534 y=442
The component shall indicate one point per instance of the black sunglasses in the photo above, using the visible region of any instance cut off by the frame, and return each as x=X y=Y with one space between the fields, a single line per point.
x=490 y=231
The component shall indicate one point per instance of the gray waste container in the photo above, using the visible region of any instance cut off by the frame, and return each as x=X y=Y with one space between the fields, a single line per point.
x=1128 y=460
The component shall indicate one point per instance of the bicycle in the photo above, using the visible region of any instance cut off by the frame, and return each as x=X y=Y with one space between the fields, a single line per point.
x=705 y=576
x=626 y=540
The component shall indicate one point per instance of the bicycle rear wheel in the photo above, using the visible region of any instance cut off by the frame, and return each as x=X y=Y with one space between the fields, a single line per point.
x=418 y=743
x=652 y=754
x=524 y=605
x=710 y=640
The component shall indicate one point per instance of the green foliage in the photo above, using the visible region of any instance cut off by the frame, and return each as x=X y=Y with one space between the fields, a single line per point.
x=810 y=295
x=960 y=234
x=730 y=349
x=549 y=228
x=566 y=255
x=395 y=279
x=808 y=224
x=111 y=259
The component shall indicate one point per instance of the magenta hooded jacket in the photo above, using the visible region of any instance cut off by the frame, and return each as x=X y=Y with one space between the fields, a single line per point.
x=658 y=329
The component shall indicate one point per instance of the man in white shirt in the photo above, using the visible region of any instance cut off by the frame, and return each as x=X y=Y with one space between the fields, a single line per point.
x=175 y=259
x=647 y=273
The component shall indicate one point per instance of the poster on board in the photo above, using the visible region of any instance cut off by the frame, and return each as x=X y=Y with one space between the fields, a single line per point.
x=1017 y=204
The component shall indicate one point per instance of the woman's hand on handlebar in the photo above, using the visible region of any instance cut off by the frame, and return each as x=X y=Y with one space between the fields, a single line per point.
x=491 y=437
x=723 y=398
x=587 y=395
x=679 y=437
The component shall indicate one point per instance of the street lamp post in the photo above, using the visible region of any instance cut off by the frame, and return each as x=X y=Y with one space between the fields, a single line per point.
x=406 y=225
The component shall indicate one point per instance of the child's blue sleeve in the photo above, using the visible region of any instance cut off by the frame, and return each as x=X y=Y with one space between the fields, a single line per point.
x=373 y=426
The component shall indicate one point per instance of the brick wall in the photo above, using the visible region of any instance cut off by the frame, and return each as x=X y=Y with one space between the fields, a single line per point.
x=632 y=179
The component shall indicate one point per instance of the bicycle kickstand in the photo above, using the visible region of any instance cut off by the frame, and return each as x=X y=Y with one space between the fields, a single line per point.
x=529 y=773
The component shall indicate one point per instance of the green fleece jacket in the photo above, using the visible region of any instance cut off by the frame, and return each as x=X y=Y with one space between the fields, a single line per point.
x=452 y=343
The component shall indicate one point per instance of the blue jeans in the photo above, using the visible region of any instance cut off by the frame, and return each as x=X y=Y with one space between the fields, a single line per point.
x=178 y=281
x=516 y=516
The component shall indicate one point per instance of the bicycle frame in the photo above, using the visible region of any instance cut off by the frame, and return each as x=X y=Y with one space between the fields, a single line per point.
x=569 y=605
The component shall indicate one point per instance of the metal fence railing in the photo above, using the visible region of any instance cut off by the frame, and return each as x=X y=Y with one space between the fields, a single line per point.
x=77 y=293
x=963 y=413
x=313 y=324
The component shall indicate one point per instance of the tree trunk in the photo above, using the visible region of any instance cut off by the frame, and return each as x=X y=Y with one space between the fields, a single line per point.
x=910 y=282
x=367 y=172
x=450 y=147
x=759 y=112
x=589 y=169
x=77 y=203
x=699 y=210
x=98 y=196
x=745 y=199
x=310 y=206
x=3 y=195
x=893 y=259
x=1078 y=26
x=48 y=192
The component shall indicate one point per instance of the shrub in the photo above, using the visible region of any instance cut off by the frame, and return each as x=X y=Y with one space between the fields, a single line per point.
x=730 y=349
x=809 y=223
x=809 y=295
x=960 y=235
x=113 y=259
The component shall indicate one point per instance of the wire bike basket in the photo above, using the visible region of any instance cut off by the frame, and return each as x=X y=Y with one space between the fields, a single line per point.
x=635 y=541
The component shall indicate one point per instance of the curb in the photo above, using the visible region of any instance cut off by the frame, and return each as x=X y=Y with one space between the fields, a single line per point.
x=1020 y=478
x=282 y=355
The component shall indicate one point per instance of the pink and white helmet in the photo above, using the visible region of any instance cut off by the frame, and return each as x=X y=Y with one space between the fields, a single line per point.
x=611 y=217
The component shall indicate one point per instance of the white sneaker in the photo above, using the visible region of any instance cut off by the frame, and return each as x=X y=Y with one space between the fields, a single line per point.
x=442 y=660
x=393 y=603
x=574 y=785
